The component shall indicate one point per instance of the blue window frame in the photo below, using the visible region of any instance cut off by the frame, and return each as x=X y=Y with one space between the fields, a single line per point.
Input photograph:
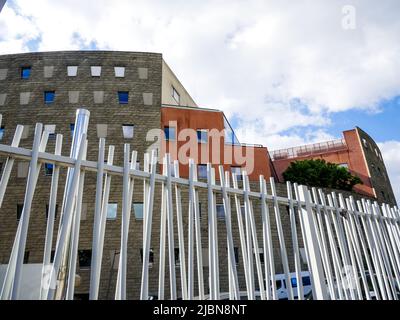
x=1 y=132
x=123 y=97
x=25 y=72
x=49 y=97
x=48 y=168
x=169 y=133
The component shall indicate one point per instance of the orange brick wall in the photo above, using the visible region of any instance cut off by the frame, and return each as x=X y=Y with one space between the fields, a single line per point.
x=353 y=156
x=202 y=119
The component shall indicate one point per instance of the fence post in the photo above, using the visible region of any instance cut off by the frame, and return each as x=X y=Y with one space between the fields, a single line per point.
x=318 y=283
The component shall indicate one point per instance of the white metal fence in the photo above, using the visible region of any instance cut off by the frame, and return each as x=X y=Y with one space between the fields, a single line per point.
x=352 y=247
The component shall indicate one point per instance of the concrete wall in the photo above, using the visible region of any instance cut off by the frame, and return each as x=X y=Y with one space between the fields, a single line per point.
x=170 y=81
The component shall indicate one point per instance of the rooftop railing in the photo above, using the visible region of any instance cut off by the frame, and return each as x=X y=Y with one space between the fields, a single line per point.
x=308 y=150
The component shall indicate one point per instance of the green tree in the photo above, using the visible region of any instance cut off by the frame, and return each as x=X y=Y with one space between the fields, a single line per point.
x=319 y=173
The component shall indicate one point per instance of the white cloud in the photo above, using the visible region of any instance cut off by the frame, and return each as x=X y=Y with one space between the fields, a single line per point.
x=274 y=66
x=391 y=156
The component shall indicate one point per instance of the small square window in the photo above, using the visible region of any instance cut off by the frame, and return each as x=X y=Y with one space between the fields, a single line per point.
x=138 y=210
x=151 y=256
x=2 y=132
x=22 y=169
x=20 y=207
x=85 y=258
x=128 y=131
x=51 y=129
x=119 y=72
x=176 y=95
x=101 y=130
x=55 y=213
x=49 y=97
x=202 y=171
x=72 y=71
x=202 y=136
x=170 y=133
x=237 y=171
x=95 y=71
x=112 y=209
x=48 y=169
x=123 y=97
x=220 y=212
x=25 y=72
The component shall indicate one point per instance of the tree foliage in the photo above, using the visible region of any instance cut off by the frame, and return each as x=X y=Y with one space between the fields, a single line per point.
x=319 y=173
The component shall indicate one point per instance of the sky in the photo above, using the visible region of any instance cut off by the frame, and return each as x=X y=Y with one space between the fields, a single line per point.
x=284 y=72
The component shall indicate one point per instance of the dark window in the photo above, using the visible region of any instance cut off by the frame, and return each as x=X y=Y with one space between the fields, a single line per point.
x=49 y=97
x=306 y=281
x=1 y=168
x=1 y=132
x=176 y=254
x=25 y=72
x=52 y=254
x=85 y=258
x=202 y=171
x=47 y=211
x=220 y=211
x=123 y=97
x=19 y=211
x=72 y=128
x=48 y=169
x=383 y=195
x=151 y=256
x=236 y=250
x=26 y=257
x=169 y=133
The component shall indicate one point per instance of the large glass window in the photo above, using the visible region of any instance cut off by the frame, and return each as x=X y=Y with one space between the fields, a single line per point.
x=49 y=97
x=25 y=72
x=123 y=97
x=170 y=133
x=112 y=209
